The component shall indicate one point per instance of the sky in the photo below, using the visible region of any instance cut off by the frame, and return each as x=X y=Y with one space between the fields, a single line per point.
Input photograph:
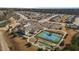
x=39 y=3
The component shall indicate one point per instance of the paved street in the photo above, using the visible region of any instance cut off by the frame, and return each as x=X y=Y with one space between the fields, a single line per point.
x=22 y=16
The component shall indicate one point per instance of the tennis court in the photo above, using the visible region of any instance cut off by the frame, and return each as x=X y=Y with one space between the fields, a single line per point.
x=54 y=37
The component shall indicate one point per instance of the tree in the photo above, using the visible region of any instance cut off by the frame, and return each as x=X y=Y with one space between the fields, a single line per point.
x=75 y=42
x=62 y=43
x=39 y=49
x=28 y=44
x=9 y=13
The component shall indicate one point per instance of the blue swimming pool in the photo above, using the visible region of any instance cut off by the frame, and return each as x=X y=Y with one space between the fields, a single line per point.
x=50 y=36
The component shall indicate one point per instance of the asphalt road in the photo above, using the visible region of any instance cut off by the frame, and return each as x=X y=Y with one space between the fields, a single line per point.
x=22 y=16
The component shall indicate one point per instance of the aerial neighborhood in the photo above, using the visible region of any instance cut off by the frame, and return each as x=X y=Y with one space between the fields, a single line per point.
x=38 y=30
